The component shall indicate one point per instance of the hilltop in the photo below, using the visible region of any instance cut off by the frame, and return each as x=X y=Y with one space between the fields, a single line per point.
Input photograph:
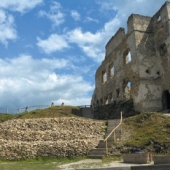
x=51 y=112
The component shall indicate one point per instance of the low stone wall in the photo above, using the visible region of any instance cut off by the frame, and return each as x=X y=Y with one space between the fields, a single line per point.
x=52 y=137
x=165 y=159
x=135 y=158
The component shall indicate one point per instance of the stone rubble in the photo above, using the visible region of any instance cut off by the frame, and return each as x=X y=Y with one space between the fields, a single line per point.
x=49 y=137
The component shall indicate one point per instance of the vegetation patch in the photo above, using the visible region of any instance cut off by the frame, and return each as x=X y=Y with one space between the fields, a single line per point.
x=149 y=132
x=5 y=117
x=52 y=112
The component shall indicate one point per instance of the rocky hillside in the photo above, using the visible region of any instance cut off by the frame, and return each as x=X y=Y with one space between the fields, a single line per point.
x=52 y=137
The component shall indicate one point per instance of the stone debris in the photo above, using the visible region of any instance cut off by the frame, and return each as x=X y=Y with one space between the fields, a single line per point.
x=48 y=137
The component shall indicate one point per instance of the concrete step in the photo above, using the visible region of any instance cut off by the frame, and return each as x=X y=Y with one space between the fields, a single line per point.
x=98 y=151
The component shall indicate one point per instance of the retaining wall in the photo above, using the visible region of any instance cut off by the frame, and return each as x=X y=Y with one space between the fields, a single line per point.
x=161 y=159
x=135 y=158
x=52 y=137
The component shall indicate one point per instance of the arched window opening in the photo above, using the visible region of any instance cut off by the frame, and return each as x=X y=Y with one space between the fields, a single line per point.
x=127 y=57
x=110 y=96
x=127 y=90
x=111 y=70
x=159 y=18
x=106 y=100
x=104 y=76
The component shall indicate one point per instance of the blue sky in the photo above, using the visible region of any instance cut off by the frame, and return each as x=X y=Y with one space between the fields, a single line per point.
x=50 y=49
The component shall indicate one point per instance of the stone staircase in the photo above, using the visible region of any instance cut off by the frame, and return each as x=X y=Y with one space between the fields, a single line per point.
x=100 y=151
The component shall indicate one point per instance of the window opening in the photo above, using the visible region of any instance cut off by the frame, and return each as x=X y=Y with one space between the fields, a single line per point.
x=104 y=77
x=147 y=71
x=166 y=99
x=110 y=97
x=117 y=92
x=111 y=70
x=128 y=57
x=159 y=18
x=106 y=100
x=101 y=101
x=127 y=89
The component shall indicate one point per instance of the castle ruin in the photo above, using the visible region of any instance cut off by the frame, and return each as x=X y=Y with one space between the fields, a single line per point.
x=137 y=64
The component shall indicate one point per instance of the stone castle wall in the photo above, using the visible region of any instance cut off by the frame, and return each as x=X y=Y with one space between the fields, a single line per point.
x=52 y=137
x=141 y=64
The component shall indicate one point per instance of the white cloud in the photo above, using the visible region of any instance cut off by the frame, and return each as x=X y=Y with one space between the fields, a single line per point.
x=90 y=43
x=55 y=14
x=93 y=43
x=7 y=31
x=126 y=8
x=27 y=81
x=75 y=15
x=7 y=26
x=19 y=5
x=92 y=19
x=53 y=43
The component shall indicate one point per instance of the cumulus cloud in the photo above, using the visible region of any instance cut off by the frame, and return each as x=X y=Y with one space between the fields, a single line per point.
x=75 y=15
x=53 y=43
x=93 y=43
x=90 y=43
x=7 y=30
x=19 y=5
x=7 y=23
x=54 y=14
x=28 y=81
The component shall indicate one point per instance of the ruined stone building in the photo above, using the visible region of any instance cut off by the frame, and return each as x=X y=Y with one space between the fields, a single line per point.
x=137 y=64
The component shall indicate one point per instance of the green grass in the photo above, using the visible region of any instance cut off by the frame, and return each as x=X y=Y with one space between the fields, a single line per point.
x=37 y=164
x=51 y=112
x=5 y=117
x=149 y=131
x=112 y=158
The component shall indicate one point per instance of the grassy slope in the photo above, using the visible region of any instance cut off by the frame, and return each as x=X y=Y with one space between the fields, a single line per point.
x=5 y=117
x=55 y=111
x=149 y=131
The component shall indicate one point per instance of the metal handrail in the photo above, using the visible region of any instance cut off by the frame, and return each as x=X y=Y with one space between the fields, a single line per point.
x=113 y=131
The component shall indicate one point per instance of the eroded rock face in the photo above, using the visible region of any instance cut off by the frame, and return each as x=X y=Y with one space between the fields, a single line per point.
x=52 y=137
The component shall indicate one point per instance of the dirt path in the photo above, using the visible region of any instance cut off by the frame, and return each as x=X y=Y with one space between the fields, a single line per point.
x=94 y=163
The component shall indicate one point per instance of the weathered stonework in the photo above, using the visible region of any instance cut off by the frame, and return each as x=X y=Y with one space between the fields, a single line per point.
x=49 y=137
x=137 y=64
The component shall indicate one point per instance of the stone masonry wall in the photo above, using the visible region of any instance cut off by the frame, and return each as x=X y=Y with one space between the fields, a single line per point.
x=52 y=137
x=141 y=63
